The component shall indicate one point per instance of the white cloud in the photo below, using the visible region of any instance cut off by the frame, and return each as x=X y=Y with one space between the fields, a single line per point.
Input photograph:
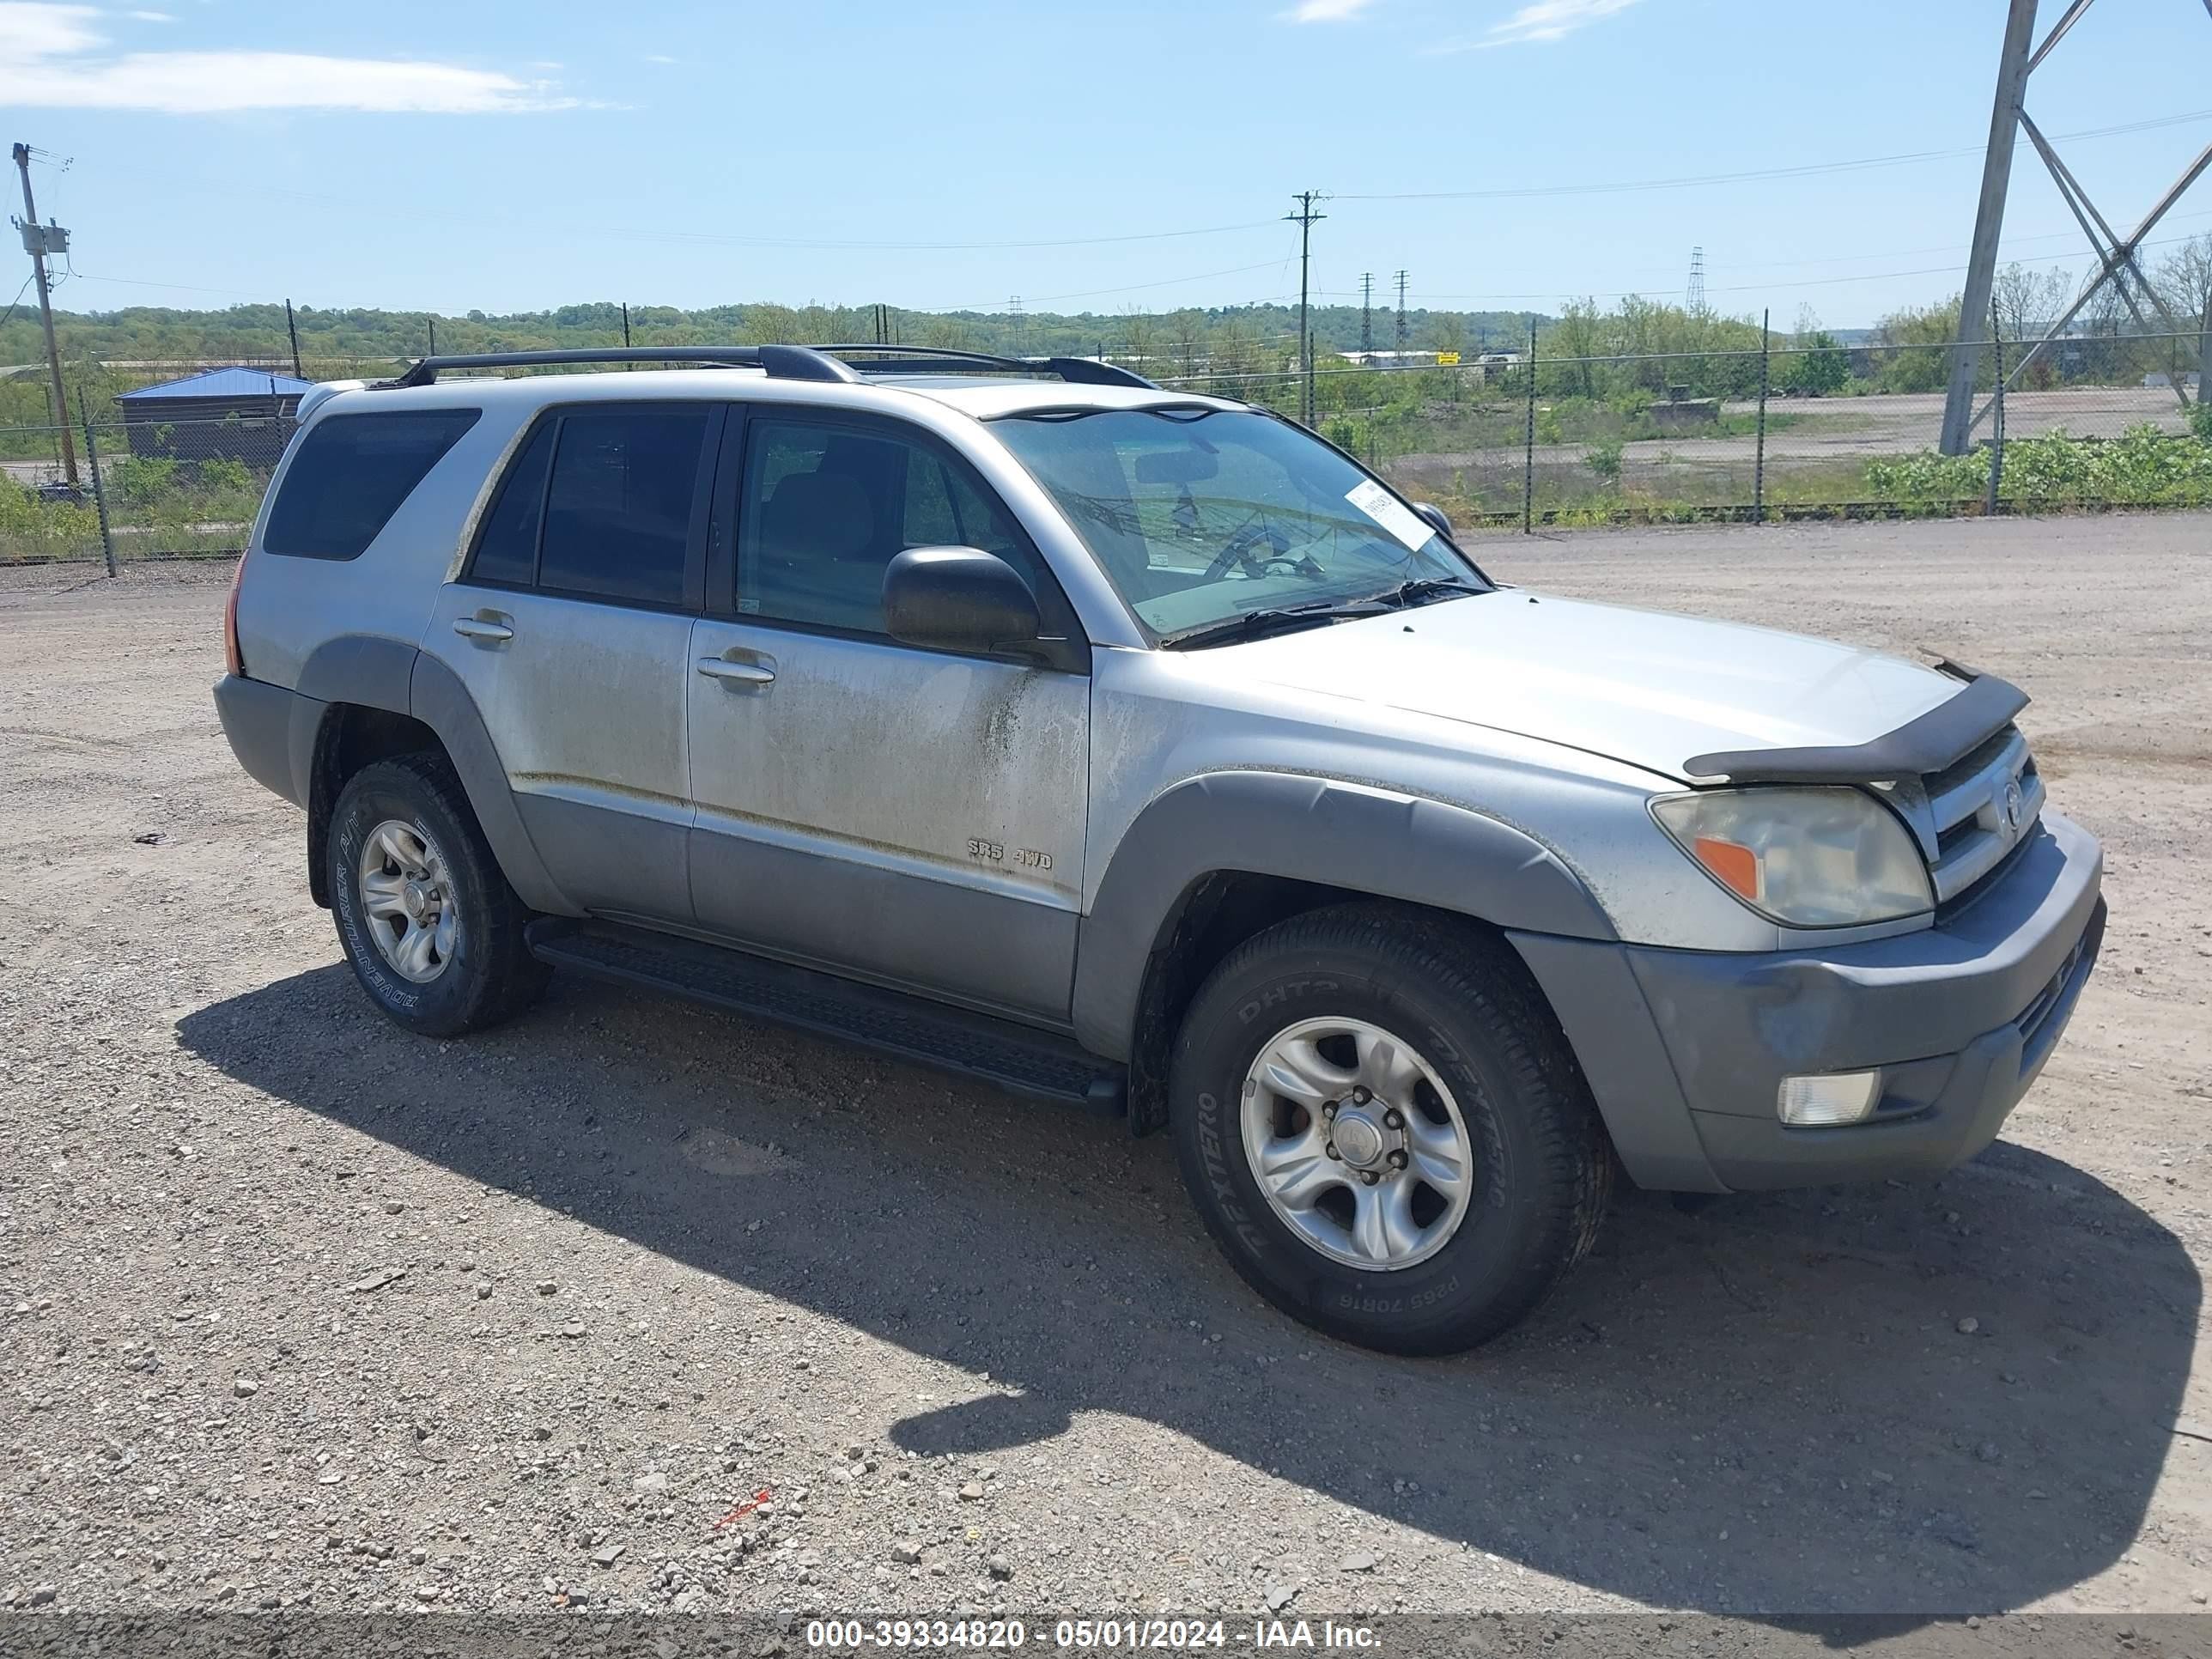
x=658 y=57
x=51 y=57
x=1543 y=20
x=151 y=16
x=1325 y=11
x=31 y=32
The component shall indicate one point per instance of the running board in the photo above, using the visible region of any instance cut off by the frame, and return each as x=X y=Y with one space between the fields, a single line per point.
x=1015 y=1056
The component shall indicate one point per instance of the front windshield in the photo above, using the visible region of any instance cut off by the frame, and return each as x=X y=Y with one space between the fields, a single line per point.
x=1202 y=516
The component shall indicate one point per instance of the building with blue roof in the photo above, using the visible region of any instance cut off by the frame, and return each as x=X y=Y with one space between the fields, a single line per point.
x=237 y=413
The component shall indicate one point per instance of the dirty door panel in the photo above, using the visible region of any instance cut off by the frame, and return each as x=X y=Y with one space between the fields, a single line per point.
x=904 y=814
x=571 y=629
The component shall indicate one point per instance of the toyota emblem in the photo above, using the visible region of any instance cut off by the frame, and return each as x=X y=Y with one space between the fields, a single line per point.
x=2013 y=805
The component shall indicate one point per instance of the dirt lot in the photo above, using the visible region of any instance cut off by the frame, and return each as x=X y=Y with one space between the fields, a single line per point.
x=294 y=1308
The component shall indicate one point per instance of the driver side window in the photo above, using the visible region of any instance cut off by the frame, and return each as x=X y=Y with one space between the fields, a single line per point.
x=825 y=509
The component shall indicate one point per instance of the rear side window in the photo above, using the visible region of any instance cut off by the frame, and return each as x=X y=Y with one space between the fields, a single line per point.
x=350 y=476
x=600 y=504
x=508 y=550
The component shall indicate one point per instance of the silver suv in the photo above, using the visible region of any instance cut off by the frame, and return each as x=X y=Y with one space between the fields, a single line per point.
x=1141 y=749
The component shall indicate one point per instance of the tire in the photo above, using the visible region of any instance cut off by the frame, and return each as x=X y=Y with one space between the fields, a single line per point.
x=469 y=967
x=1397 y=1264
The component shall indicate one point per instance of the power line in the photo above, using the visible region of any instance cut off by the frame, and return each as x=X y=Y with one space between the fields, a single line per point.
x=1800 y=170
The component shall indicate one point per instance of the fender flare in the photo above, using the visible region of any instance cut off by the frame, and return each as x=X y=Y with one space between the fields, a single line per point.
x=1341 y=834
x=400 y=679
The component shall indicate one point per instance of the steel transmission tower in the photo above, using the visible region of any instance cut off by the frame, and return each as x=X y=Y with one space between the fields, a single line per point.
x=1402 y=317
x=1693 y=296
x=1366 y=317
x=2117 y=260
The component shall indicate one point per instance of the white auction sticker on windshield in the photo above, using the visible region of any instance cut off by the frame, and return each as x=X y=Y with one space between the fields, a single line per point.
x=1393 y=514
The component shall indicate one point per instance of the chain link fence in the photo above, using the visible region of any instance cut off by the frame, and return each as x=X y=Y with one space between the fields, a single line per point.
x=1836 y=431
x=144 y=489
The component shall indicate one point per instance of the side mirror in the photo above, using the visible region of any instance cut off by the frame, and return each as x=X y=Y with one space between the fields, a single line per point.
x=1435 y=515
x=959 y=599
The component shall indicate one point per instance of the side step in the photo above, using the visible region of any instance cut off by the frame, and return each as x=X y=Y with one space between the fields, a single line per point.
x=1000 y=1051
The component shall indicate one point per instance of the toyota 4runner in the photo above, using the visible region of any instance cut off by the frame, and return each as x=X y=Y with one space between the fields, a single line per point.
x=1142 y=750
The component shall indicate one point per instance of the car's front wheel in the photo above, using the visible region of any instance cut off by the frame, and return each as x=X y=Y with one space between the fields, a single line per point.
x=423 y=912
x=1384 y=1129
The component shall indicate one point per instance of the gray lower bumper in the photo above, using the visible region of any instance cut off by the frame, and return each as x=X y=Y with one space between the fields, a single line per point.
x=271 y=730
x=1685 y=1049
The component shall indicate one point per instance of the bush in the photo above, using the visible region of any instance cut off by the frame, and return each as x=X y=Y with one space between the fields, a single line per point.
x=144 y=478
x=1604 y=459
x=2143 y=466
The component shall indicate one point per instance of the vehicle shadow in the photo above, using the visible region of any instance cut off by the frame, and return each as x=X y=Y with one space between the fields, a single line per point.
x=1926 y=1400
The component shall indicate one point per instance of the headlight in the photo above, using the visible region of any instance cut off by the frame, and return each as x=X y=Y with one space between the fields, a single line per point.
x=1810 y=858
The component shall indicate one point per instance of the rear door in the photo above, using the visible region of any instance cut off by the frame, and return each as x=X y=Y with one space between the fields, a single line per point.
x=571 y=627
x=909 y=816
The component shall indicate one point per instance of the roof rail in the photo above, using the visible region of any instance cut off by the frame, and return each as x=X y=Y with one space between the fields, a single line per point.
x=782 y=363
x=927 y=359
x=786 y=362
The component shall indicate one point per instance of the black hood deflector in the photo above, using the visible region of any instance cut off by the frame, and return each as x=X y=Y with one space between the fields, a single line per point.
x=1927 y=742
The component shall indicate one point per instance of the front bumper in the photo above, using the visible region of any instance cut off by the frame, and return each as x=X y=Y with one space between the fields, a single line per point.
x=1685 y=1049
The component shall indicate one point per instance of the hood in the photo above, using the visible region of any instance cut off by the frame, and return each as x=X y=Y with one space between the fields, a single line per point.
x=1640 y=686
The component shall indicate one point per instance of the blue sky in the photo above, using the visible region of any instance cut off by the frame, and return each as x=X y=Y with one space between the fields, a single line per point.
x=505 y=156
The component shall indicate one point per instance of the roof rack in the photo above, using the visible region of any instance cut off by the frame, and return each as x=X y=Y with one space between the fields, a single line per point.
x=788 y=362
x=783 y=363
x=940 y=359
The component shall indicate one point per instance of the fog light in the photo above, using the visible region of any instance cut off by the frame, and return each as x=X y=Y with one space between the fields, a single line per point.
x=1814 y=1102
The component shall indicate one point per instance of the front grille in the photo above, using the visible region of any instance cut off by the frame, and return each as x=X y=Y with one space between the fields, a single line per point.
x=1981 y=807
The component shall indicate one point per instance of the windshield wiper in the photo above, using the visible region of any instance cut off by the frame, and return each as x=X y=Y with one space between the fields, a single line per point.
x=1429 y=587
x=1276 y=619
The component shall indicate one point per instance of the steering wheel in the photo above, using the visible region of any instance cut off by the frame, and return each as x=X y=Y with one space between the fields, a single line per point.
x=1238 y=550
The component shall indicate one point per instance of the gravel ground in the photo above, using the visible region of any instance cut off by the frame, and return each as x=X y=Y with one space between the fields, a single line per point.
x=297 y=1309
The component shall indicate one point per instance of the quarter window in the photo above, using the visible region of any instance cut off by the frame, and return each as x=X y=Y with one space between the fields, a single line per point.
x=350 y=476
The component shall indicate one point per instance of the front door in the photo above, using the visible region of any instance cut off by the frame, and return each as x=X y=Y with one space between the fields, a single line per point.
x=907 y=815
x=571 y=627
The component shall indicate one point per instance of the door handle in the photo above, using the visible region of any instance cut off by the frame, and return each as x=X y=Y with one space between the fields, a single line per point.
x=478 y=627
x=736 y=673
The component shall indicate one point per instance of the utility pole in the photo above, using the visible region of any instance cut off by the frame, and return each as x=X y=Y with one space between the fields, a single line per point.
x=1401 y=319
x=292 y=329
x=37 y=240
x=625 y=306
x=1303 y=219
x=1367 y=318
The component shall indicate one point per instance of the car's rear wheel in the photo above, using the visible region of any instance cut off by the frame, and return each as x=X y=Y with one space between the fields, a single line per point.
x=423 y=912
x=1384 y=1129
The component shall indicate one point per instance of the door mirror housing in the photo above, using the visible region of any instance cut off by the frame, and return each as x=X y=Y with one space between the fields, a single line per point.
x=959 y=599
x=1437 y=520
